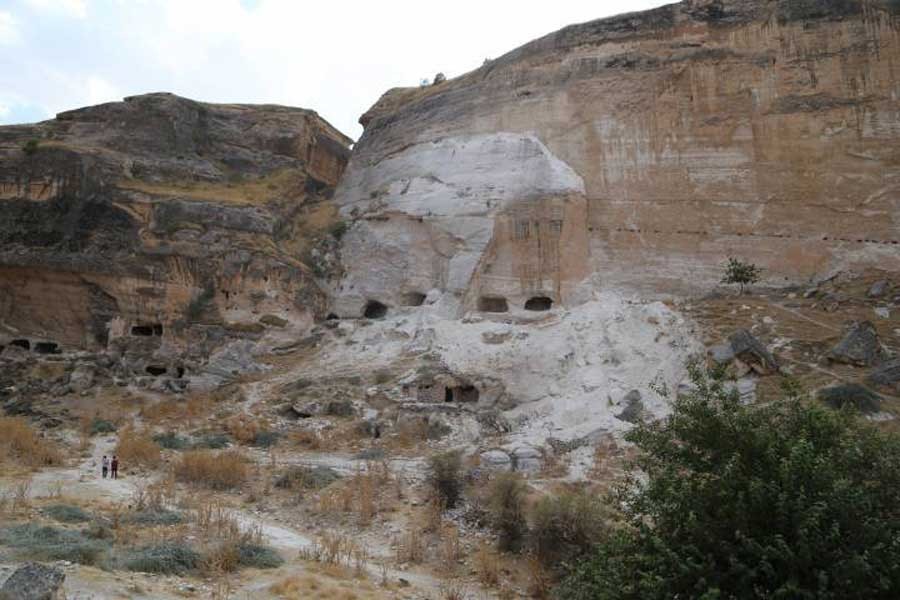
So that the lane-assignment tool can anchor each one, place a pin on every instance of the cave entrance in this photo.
(375, 310)
(47, 348)
(332, 317)
(463, 393)
(413, 299)
(153, 329)
(156, 371)
(539, 303)
(493, 304)
(23, 344)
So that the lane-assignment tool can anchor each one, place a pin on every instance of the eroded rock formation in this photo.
(163, 225)
(639, 151)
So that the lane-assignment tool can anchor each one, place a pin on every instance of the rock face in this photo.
(144, 223)
(640, 150)
(34, 581)
(860, 346)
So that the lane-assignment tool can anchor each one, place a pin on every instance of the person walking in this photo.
(114, 472)
(104, 466)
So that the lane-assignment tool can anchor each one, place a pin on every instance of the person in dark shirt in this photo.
(114, 470)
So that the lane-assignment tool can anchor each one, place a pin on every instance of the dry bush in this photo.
(21, 493)
(450, 549)
(445, 477)
(245, 429)
(188, 412)
(19, 443)
(138, 448)
(506, 500)
(365, 494)
(540, 580)
(306, 439)
(408, 435)
(488, 566)
(567, 526)
(218, 470)
(410, 547)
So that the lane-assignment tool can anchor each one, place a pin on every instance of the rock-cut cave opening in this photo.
(147, 330)
(413, 299)
(23, 344)
(47, 348)
(375, 310)
(463, 393)
(493, 304)
(539, 303)
(155, 370)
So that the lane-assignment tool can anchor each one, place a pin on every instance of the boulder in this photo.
(886, 377)
(634, 407)
(496, 460)
(82, 378)
(878, 289)
(851, 394)
(752, 354)
(526, 459)
(860, 346)
(34, 581)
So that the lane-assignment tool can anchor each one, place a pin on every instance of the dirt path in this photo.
(83, 481)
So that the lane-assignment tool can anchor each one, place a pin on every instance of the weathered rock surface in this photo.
(851, 394)
(886, 377)
(159, 220)
(34, 581)
(860, 346)
(745, 353)
(643, 149)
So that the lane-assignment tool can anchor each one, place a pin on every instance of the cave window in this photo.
(375, 310)
(332, 317)
(539, 303)
(147, 330)
(463, 393)
(179, 372)
(24, 344)
(155, 370)
(413, 299)
(47, 348)
(448, 395)
(493, 304)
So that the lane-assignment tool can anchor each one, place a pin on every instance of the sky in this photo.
(333, 56)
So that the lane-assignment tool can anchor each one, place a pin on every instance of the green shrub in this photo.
(445, 477)
(31, 147)
(788, 499)
(155, 516)
(212, 441)
(170, 558)
(49, 543)
(741, 273)
(99, 426)
(66, 513)
(506, 503)
(172, 441)
(197, 307)
(337, 230)
(566, 527)
(310, 478)
(266, 439)
(258, 557)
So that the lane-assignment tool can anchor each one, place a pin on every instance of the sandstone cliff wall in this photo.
(641, 150)
(164, 218)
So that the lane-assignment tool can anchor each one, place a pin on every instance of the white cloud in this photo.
(4, 111)
(100, 90)
(69, 8)
(9, 29)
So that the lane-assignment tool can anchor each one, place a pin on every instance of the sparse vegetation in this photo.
(101, 426)
(309, 478)
(31, 147)
(786, 499)
(172, 441)
(19, 443)
(169, 558)
(507, 507)
(445, 477)
(740, 273)
(137, 448)
(49, 543)
(66, 513)
(565, 527)
(222, 470)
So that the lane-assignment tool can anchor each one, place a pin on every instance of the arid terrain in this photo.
(326, 371)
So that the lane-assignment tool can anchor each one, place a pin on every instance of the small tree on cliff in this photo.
(787, 500)
(741, 273)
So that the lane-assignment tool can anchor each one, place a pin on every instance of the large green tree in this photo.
(786, 500)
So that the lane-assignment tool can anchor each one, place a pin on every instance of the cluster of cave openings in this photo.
(493, 304)
(375, 310)
(463, 393)
(539, 303)
(413, 299)
(153, 329)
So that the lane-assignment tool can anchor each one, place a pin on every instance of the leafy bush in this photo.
(155, 516)
(216, 470)
(506, 501)
(338, 229)
(31, 147)
(99, 426)
(445, 478)
(266, 439)
(212, 441)
(784, 500)
(311, 478)
(741, 273)
(66, 513)
(566, 527)
(258, 557)
(170, 558)
(172, 441)
(49, 543)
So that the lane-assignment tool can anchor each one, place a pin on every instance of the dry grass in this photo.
(196, 409)
(326, 582)
(253, 192)
(21, 445)
(244, 428)
(138, 448)
(365, 494)
(223, 470)
(488, 565)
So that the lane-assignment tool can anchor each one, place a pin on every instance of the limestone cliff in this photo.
(636, 152)
(164, 221)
